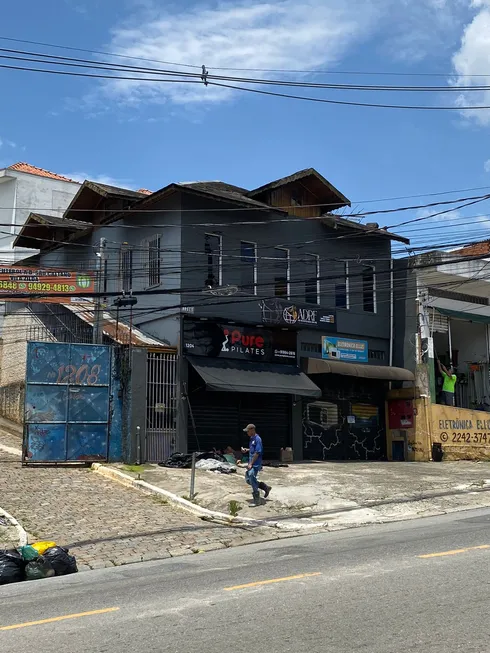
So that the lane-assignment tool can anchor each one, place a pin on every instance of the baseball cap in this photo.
(249, 426)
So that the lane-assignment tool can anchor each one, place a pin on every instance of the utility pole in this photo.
(100, 267)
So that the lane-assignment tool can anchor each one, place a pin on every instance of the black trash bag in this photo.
(11, 567)
(62, 562)
(38, 569)
(184, 460)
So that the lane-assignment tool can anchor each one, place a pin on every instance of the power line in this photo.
(251, 208)
(375, 105)
(107, 65)
(210, 82)
(242, 69)
(190, 291)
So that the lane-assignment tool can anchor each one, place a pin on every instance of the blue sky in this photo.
(146, 135)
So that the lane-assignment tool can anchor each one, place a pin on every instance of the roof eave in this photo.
(301, 174)
(342, 222)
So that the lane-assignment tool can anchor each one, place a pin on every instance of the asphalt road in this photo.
(363, 590)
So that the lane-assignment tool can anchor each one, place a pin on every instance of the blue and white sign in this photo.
(344, 349)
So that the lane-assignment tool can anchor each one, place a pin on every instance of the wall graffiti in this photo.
(67, 402)
(342, 431)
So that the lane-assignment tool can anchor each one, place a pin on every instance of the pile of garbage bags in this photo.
(34, 562)
(210, 460)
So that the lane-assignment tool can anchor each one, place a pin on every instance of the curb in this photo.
(194, 509)
(20, 530)
(10, 450)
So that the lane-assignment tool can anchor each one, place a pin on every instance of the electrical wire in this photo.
(264, 70)
(107, 65)
(174, 291)
(210, 82)
(136, 209)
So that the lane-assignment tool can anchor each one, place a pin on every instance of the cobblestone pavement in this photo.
(8, 535)
(102, 522)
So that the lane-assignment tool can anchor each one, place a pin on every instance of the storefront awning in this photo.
(227, 375)
(382, 372)
(468, 317)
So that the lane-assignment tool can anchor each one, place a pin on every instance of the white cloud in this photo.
(101, 179)
(421, 28)
(273, 34)
(486, 165)
(472, 60)
(8, 143)
(281, 34)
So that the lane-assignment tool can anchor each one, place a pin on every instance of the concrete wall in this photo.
(12, 402)
(18, 327)
(469, 339)
(463, 434)
(7, 215)
(23, 194)
(405, 314)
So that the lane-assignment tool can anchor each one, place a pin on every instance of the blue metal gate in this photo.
(67, 402)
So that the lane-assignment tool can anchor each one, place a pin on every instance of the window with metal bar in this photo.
(248, 267)
(312, 281)
(126, 261)
(213, 251)
(369, 289)
(154, 269)
(281, 272)
(342, 288)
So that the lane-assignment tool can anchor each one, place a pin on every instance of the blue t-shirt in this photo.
(256, 447)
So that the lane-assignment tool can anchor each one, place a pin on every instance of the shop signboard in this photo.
(239, 342)
(345, 349)
(284, 313)
(62, 286)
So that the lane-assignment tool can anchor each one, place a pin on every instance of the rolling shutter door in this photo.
(221, 416)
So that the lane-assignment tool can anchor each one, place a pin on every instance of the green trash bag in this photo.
(28, 553)
(39, 569)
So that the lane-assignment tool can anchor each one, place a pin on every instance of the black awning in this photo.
(225, 375)
(382, 372)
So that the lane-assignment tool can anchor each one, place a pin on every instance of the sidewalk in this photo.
(343, 494)
(102, 522)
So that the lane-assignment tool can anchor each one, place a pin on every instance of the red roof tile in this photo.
(33, 170)
(476, 249)
(145, 191)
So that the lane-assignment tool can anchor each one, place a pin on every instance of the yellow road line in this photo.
(454, 551)
(273, 580)
(53, 619)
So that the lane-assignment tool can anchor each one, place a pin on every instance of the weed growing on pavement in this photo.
(159, 500)
(135, 469)
(194, 500)
(234, 508)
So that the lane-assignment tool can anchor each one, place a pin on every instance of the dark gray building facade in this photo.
(281, 311)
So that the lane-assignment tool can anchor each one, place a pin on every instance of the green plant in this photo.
(135, 469)
(194, 500)
(159, 500)
(234, 508)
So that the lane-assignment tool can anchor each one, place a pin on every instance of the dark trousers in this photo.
(447, 398)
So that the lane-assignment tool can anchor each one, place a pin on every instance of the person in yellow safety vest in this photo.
(448, 385)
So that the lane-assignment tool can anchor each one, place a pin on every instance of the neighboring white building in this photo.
(24, 188)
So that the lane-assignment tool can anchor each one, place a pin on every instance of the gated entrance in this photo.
(161, 405)
(67, 402)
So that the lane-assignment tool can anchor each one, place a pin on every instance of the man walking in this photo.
(255, 452)
(448, 385)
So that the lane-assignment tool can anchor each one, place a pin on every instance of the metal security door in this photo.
(67, 402)
(161, 405)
